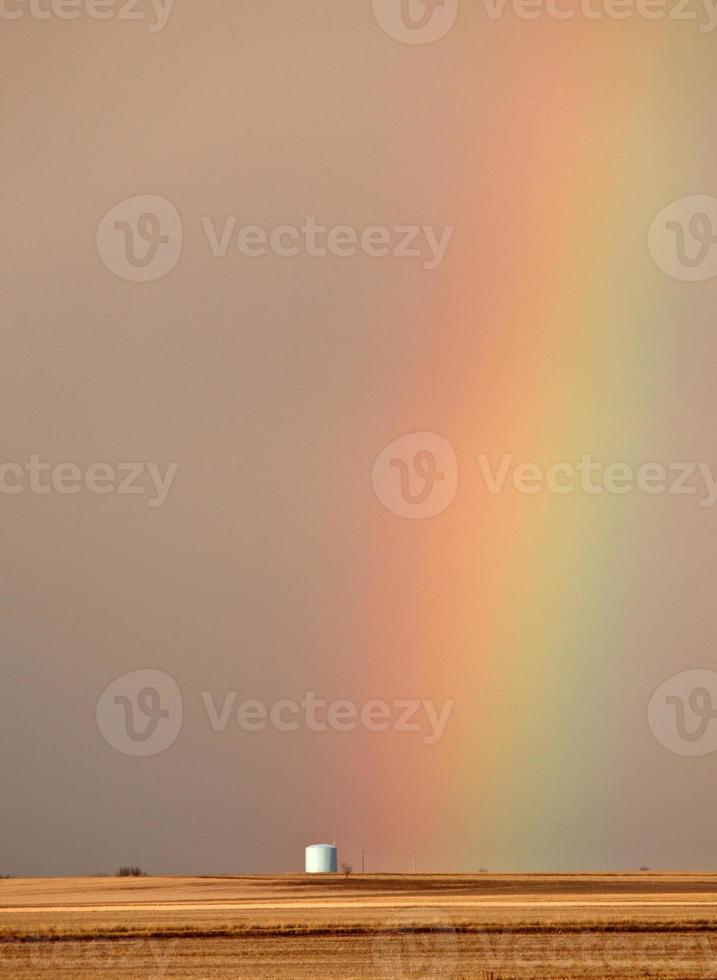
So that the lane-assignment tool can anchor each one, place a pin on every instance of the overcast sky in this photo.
(220, 519)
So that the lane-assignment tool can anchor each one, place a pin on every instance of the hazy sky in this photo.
(519, 163)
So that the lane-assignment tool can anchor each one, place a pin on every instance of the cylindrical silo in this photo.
(322, 859)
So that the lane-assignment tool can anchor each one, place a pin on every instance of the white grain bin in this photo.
(322, 859)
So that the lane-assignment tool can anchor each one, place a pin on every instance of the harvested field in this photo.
(482, 927)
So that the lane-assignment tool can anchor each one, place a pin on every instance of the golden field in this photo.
(464, 927)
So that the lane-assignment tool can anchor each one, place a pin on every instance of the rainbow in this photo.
(544, 334)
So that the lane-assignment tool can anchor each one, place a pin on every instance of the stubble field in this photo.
(464, 927)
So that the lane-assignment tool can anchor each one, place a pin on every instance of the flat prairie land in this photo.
(368, 927)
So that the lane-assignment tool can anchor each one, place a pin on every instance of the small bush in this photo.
(127, 872)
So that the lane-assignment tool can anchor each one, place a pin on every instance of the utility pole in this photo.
(413, 861)
(363, 861)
